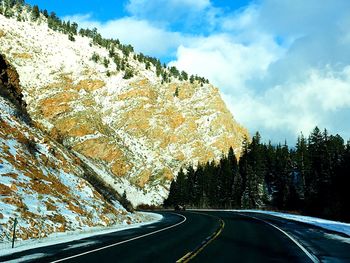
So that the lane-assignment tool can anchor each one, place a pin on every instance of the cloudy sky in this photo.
(283, 66)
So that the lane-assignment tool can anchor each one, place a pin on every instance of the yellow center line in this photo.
(190, 255)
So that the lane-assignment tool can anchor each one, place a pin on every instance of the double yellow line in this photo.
(190, 255)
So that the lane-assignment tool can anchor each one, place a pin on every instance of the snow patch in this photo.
(59, 238)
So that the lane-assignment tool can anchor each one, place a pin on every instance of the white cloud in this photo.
(284, 111)
(187, 14)
(240, 21)
(283, 67)
(226, 62)
(141, 34)
(166, 9)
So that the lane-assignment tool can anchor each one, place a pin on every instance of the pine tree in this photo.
(35, 13)
(257, 164)
(250, 197)
(226, 169)
(201, 199)
(182, 195)
(106, 62)
(237, 191)
(71, 37)
(176, 93)
(207, 187)
(342, 184)
(191, 79)
(313, 181)
(302, 163)
(330, 187)
(74, 28)
(213, 185)
(184, 75)
(95, 57)
(45, 13)
(129, 73)
(172, 199)
(192, 185)
(234, 172)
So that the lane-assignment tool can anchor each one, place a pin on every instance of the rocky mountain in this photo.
(133, 123)
(42, 184)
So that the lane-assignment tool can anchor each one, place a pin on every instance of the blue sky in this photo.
(103, 10)
(100, 9)
(282, 66)
(176, 20)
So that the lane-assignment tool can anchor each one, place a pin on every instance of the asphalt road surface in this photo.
(203, 236)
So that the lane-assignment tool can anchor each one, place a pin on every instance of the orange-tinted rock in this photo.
(58, 104)
(90, 85)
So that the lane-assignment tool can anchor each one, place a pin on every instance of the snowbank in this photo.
(58, 238)
(323, 223)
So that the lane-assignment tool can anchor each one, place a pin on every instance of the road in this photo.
(203, 236)
(254, 237)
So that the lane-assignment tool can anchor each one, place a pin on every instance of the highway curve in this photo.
(245, 239)
(204, 236)
(162, 243)
(256, 237)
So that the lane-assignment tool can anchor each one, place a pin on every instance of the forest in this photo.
(310, 178)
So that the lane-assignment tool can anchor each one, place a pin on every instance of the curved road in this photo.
(203, 236)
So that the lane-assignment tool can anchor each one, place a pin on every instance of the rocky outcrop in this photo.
(10, 88)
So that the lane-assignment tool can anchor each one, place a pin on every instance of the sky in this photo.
(282, 66)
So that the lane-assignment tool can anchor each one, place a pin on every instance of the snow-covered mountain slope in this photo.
(41, 183)
(135, 132)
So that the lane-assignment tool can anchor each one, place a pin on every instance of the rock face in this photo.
(135, 133)
(10, 88)
(41, 183)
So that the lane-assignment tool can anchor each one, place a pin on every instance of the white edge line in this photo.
(125, 241)
(311, 256)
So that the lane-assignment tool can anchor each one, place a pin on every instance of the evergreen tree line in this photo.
(311, 178)
(11, 8)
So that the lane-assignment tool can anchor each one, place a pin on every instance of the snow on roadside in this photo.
(323, 223)
(59, 238)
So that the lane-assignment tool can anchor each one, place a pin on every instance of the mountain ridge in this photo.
(134, 129)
